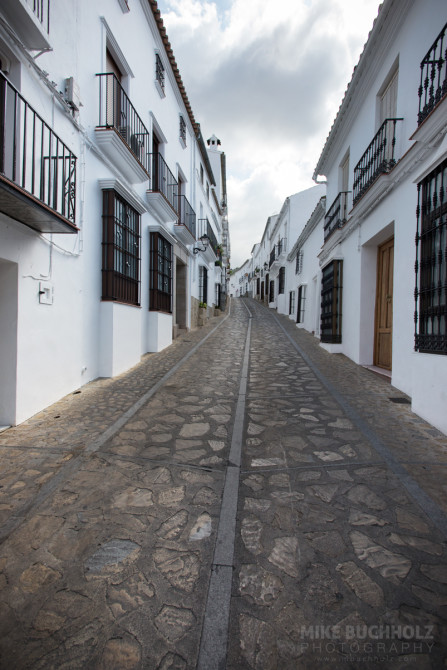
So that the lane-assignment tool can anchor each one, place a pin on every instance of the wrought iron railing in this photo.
(32, 156)
(281, 247)
(272, 256)
(162, 180)
(117, 112)
(336, 214)
(41, 9)
(186, 214)
(159, 72)
(433, 84)
(378, 158)
(212, 238)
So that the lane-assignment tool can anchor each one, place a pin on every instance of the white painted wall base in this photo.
(159, 331)
(429, 396)
(120, 340)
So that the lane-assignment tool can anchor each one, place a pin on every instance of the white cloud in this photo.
(267, 78)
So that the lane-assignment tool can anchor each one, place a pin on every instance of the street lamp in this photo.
(204, 241)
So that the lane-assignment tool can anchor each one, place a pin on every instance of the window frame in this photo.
(203, 284)
(291, 302)
(430, 293)
(281, 280)
(301, 303)
(120, 284)
(332, 302)
(161, 264)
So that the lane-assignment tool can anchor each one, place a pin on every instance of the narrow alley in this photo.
(240, 500)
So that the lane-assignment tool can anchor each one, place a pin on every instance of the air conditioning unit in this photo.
(72, 94)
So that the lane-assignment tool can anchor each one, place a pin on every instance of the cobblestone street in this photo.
(241, 500)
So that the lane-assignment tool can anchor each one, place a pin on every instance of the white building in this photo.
(384, 300)
(106, 187)
(303, 273)
(291, 220)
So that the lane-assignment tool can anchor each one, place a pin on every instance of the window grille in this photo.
(281, 279)
(159, 72)
(160, 287)
(331, 302)
(272, 291)
(258, 286)
(291, 302)
(299, 262)
(183, 129)
(431, 264)
(203, 284)
(120, 250)
(301, 303)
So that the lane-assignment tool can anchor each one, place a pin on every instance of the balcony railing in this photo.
(272, 256)
(41, 9)
(117, 112)
(433, 84)
(281, 247)
(186, 214)
(162, 180)
(336, 214)
(212, 238)
(378, 158)
(34, 158)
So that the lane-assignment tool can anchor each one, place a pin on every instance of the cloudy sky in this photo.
(267, 77)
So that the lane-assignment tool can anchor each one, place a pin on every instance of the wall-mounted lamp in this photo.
(204, 241)
(266, 267)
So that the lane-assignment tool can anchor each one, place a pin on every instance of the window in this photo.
(331, 302)
(207, 190)
(258, 286)
(160, 274)
(120, 250)
(272, 291)
(159, 72)
(281, 279)
(301, 303)
(203, 284)
(299, 262)
(183, 130)
(291, 302)
(431, 264)
(201, 173)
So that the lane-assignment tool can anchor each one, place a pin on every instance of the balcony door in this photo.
(384, 306)
(115, 108)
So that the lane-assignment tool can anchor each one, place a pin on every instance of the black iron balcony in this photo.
(378, 159)
(212, 238)
(41, 9)
(272, 256)
(186, 215)
(37, 170)
(336, 214)
(117, 113)
(433, 84)
(30, 19)
(163, 181)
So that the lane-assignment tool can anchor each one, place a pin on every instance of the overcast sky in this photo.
(267, 77)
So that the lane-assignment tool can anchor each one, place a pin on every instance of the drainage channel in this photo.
(214, 640)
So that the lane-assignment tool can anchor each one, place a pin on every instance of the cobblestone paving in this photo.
(337, 565)
(108, 529)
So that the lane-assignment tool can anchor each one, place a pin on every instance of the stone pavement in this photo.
(110, 503)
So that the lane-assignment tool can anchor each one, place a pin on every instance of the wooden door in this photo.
(384, 306)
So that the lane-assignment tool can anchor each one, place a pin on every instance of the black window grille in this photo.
(159, 72)
(299, 262)
(301, 303)
(183, 129)
(120, 250)
(281, 279)
(262, 290)
(272, 291)
(203, 284)
(431, 264)
(291, 302)
(331, 302)
(160, 274)
(258, 286)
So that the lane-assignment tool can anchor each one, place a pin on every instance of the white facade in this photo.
(370, 243)
(101, 211)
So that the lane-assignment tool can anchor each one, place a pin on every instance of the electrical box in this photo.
(45, 293)
(72, 93)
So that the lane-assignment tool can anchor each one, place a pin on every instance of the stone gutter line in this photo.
(72, 466)
(428, 506)
(216, 620)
